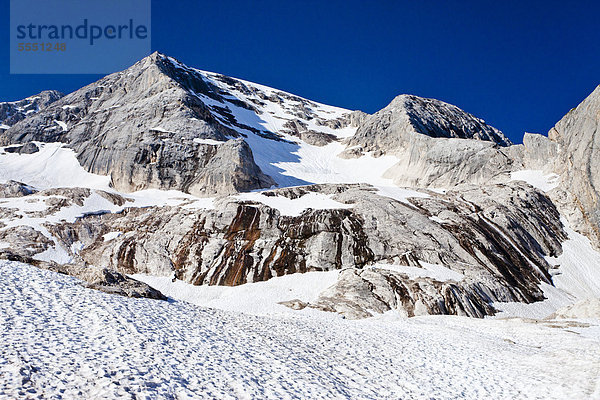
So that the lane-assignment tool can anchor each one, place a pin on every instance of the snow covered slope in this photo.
(62, 340)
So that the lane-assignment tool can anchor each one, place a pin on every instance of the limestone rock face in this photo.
(577, 135)
(443, 163)
(15, 111)
(15, 189)
(437, 144)
(407, 116)
(147, 127)
(489, 242)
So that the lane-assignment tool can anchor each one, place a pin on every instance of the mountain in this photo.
(408, 116)
(160, 124)
(14, 111)
(428, 138)
(170, 171)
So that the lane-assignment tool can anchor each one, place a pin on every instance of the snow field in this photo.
(62, 340)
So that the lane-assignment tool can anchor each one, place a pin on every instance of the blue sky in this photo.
(519, 65)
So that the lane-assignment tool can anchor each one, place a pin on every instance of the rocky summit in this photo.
(163, 170)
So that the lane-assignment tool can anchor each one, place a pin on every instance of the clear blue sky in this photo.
(519, 65)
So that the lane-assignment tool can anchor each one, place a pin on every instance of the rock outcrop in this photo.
(14, 111)
(570, 151)
(437, 144)
(494, 238)
(15, 189)
(577, 136)
(390, 128)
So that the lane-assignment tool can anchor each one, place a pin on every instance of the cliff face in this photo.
(577, 136)
(437, 144)
(454, 253)
(412, 116)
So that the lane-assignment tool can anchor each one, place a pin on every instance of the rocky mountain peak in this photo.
(409, 115)
(148, 127)
(14, 111)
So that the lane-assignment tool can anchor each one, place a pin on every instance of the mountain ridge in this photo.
(417, 204)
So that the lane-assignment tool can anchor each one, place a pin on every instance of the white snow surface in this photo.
(537, 178)
(294, 207)
(60, 340)
(111, 235)
(53, 166)
(208, 141)
(258, 298)
(579, 272)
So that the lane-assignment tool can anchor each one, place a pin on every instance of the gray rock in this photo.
(570, 150)
(363, 293)
(577, 135)
(145, 128)
(437, 144)
(445, 163)
(15, 111)
(27, 148)
(15, 189)
(495, 236)
(390, 128)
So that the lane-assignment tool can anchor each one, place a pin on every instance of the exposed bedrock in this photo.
(492, 239)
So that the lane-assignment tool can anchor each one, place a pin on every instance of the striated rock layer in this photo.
(491, 239)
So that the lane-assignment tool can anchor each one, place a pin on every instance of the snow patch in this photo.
(536, 178)
(579, 271)
(207, 141)
(160, 129)
(52, 166)
(111, 235)
(294, 207)
(62, 124)
(438, 219)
